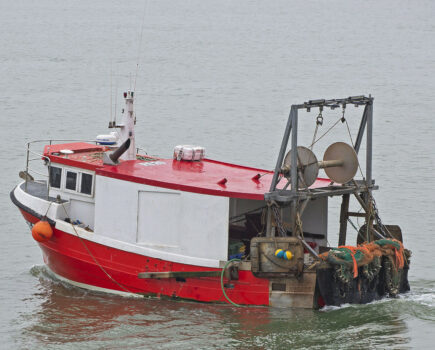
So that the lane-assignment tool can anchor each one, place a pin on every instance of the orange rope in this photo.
(353, 250)
(399, 253)
(371, 250)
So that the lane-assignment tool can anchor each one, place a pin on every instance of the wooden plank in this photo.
(182, 274)
(343, 219)
(360, 215)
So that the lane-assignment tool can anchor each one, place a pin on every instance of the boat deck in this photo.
(206, 177)
(38, 189)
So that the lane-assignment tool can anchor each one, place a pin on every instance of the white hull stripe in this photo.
(93, 288)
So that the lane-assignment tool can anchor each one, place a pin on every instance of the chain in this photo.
(282, 231)
(382, 227)
(299, 226)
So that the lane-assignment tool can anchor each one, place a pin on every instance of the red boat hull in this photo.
(90, 264)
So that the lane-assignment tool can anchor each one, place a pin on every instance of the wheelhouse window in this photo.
(86, 184)
(71, 181)
(55, 176)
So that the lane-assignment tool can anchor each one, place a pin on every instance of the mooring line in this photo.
(93, 258)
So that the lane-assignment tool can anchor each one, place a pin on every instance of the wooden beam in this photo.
(343, 219)
(361, 201)
(181, 274)
(360, 215)
(369, 222)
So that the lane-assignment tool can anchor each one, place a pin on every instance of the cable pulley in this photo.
(340, 163)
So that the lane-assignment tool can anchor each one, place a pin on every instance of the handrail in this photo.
(60, 140)
(41, 156)
(141, 149)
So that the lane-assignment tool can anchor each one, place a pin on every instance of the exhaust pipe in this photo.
(111, 158)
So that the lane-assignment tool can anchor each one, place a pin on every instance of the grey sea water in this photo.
(221, 74)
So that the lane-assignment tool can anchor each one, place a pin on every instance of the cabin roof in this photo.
(205, 177)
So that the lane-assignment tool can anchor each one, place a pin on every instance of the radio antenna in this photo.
(145, 10)
(111, 93)
(116, 101)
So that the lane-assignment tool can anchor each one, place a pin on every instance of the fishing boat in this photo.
(112, 219)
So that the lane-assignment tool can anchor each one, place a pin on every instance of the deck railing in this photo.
(32, 156)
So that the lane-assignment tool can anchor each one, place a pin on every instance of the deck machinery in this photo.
(332, 287)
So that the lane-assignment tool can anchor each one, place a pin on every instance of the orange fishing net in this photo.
(364, 254)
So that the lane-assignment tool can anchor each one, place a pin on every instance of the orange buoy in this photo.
(42, 231)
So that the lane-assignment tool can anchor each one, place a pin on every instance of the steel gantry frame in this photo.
(292, 197)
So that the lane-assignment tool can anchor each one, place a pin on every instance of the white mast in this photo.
(127, 126)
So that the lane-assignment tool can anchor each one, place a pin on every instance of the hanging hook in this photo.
(343, 119)
(319, 119)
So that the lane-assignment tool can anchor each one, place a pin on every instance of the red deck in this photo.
(206, 177)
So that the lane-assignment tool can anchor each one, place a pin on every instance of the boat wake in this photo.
(329, 308)
(419, 303)
(49, 280)
(42, 272)
(422, 296)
